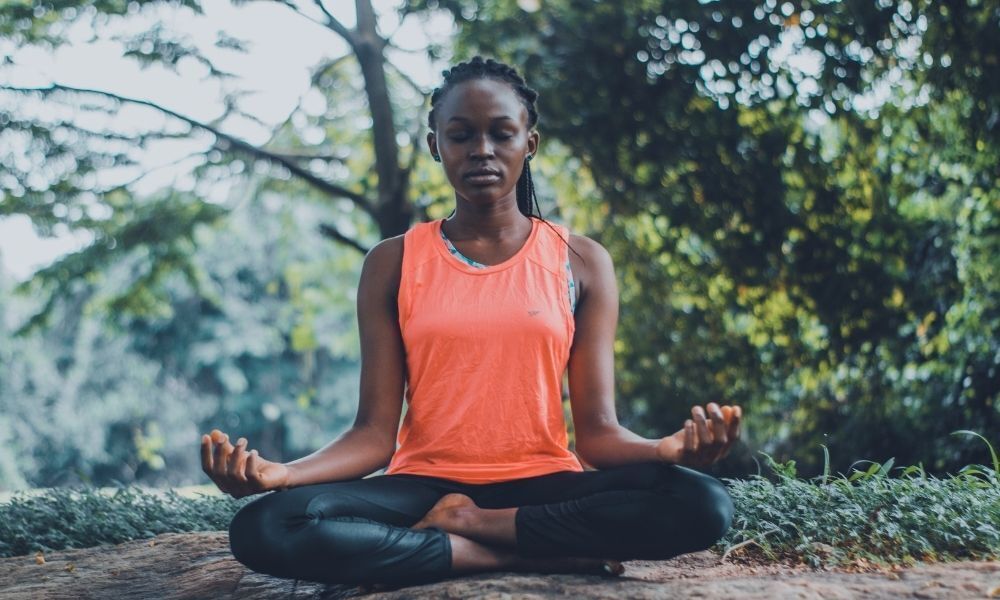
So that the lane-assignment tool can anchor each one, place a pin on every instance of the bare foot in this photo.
(444, 513)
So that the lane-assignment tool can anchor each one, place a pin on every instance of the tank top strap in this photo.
(418, 248)
(552, 248)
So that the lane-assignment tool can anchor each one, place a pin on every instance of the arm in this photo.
(371, 441)
(600, 440)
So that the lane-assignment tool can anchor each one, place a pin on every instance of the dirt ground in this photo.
(199, 565)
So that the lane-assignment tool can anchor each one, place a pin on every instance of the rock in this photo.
(200, 565)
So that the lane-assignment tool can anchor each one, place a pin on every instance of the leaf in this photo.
(993, 454)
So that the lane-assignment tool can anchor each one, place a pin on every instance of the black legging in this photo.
(357, 532)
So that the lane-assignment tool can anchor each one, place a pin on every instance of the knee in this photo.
(712, 509)
(253, 537)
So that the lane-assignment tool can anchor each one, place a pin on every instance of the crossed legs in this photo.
(404, 529)
(485, 539)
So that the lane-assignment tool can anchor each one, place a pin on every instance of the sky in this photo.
(283, 47)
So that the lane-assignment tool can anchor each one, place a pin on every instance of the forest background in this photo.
(801, 199)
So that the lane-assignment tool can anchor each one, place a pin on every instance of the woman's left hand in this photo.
(702, 441)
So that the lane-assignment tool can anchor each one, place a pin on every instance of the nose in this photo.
(482, 148)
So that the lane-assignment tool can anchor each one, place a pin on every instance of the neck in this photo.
(498, 221)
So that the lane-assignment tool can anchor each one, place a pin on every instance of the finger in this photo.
(718, 425)
(206, 454)
(701, 426)
(252, 468)
(233, 469)
(222, 452)
(690, 439)
(240, 465)
(733, 431)
(217, 436)
(216, 457)
(734, 423)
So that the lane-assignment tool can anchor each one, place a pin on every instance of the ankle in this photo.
(463, 519)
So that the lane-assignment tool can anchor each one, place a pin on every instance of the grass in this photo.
(64, 518)
(867, 518)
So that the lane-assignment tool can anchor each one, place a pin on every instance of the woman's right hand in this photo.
(237, 472)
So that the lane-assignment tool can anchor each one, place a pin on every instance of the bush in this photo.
(866, 517)
(84, 517)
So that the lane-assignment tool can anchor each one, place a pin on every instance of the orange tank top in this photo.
(486, 349)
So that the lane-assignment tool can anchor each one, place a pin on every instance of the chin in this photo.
(490, 193)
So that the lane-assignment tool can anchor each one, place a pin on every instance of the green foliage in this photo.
(158, 232)
(123, 395)
(189, 310)
(816, 245)
(866, 517)
(84, 517)
(24, 21)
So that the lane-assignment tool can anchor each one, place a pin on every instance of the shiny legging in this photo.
(357, 531)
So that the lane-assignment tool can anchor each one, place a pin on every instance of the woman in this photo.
(475, 318)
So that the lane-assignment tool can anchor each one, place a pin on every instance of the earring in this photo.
(437, 157)
(529, 157)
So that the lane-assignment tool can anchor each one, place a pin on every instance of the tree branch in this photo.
(294, 8)
(232, 142)
(332, 232)
(333, 23)
(409, 80)
(126, 184)
(318, 75)
(307, 156)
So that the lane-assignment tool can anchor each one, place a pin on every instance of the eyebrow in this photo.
(493, 119)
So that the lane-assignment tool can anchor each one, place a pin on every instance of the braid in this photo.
(526, 199)
(479, 68)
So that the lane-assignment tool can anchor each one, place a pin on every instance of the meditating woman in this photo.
(474, 319)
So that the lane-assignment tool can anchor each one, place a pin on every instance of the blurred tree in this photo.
(55, 164)
(220, 314)
(265, 346)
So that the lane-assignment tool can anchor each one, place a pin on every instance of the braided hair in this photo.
(478, 68)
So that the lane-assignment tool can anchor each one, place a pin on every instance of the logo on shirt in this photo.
(532, 313)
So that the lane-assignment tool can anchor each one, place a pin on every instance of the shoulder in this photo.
(383, 264)
(386, 255)
(589, 248)
(591, 263)
(386, 250)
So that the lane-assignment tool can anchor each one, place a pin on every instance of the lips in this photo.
(482, 177)
(481, 173)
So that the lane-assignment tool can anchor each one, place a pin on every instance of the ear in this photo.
(533, 142)
(432, 143)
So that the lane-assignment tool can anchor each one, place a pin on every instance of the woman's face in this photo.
(483, 138)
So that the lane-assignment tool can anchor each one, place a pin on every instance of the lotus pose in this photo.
(473, 320)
